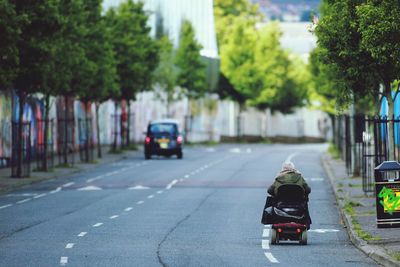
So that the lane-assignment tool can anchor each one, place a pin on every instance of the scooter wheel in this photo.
(303, 238)
(274, 236)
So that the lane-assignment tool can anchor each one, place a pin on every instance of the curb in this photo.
(374, 252)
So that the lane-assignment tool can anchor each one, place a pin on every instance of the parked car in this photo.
(163, 138)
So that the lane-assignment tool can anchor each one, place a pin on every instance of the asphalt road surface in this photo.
(203, 210)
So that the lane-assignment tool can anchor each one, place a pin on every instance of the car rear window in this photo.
(163, 128)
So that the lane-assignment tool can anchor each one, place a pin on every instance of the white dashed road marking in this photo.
(97, 224)
(271, 257)
(114, 216)
(24, 200)
(90, 188)
(138, 187)
(266, 232)
(63, 261)
(41, 195)
(265, 244)
(68, 184)
(160, 192)
(140, 202)
(128, 209)
(58, 189)
(5, 206)
(82, 234)
(151, 196)
(70, 245)
(171, 184)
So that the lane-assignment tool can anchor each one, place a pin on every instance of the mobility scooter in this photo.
(288, 214)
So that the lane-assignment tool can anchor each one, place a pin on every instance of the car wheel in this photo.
(147, 156)
(179, 155)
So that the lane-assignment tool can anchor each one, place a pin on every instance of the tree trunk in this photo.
(115, 126)
(390, 136)
(65, 130)
(19, 134)
(99, 155)
(128, 125)
(46, 129)
(87, 143)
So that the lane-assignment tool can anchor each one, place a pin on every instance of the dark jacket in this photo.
(288, 177)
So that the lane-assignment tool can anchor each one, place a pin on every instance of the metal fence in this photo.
(21, 150)
(369, 145)
(65, 141)
(86, 144)
(44, 153)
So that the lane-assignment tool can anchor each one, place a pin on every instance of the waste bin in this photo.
(387, 190)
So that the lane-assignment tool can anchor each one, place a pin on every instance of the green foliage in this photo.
(348, 67)
(9, 54)
(191, 69)
(99, 51)
(166, 73)
(136, 53)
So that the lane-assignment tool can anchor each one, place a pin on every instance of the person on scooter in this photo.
(289, 175)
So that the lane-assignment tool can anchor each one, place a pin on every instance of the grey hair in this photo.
(288, 166)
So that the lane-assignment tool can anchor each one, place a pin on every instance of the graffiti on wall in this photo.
(5, 125)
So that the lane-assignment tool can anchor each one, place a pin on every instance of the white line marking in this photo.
(323, 231)
(70, 245)
(114, 216)
(128, 209)
(89, 188)
(265, 244)
(24, 200)
(63, 261)
(97, 224)
(151, 196)
(108, 174)
(266, 233)
(271, 257)
(5, 206)
(140, 202)
(160, 192)
(138, 187)
(58, 189)
(291, 156)
(187, 176)
(68, 184)
(171, 184)
(95, 178)
(41, 195)
(82, 234)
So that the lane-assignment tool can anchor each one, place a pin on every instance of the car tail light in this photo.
(279, 230)
(147, 140)
(179, 139)
(298, 230)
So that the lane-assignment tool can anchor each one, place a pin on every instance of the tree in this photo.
(238, 61)
(227, 13)
(136, 52)
(191, 69)
(99, 51)
(9, 54)
(37, 24)
(166, 73)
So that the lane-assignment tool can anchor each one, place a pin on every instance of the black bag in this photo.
(268, 214)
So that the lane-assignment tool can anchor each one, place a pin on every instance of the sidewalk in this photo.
(359, 215)
(8, 184)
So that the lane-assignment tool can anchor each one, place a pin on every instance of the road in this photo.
(204, 210)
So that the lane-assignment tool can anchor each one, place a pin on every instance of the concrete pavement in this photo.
(359, 215)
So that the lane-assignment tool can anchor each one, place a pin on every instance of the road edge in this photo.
(374, 252)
